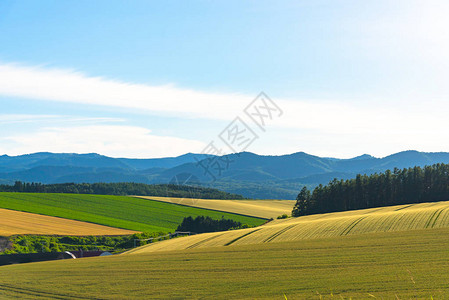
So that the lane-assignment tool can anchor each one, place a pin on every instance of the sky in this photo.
(147, 79)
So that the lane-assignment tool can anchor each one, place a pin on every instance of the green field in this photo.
(393, 265)
(115, 211)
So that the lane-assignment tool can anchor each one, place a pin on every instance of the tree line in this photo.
(121, 189)
(202, 224)
(400, 186)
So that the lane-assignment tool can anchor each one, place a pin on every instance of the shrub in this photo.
(284, 216)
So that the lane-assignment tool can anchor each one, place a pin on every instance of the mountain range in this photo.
(248, 174)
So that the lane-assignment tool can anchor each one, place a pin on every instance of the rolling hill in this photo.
(256, 208)
(391, 265)
(397, 252)
(384, 219)
(115, 211)
(17, 222)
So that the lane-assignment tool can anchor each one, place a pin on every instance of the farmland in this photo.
(384, 219)
(392, 265)
(115, 211)
(396, 252)
(256, 208)
(16, 222)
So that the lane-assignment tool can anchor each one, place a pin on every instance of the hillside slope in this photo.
(256, 208)
(393, 265)
(17, 222)
(116, 211)
(386, 219)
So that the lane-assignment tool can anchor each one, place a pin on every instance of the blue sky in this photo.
(161, 78)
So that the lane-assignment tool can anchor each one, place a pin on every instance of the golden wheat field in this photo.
(256, 208)
(385, 219)
(391, 265)
(17, 222)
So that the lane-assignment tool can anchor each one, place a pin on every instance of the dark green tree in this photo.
(402, 186)
(302, 203)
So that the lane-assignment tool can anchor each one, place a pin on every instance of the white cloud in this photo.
(29, 118)
(335, 125)
(23, 118)
(111, 140)
(71, 86)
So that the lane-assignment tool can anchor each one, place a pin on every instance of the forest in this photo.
(121, 189)
(400, 186)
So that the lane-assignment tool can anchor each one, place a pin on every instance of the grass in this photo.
(384, 219)
(256, 208)
(391, 265)
(16, 222)
(115, 211)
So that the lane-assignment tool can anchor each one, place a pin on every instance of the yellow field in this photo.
(16, 222)
(367, 254)
(392, 265)
(256, 208)
(385, 219)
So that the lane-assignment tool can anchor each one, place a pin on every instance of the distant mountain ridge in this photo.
(92, 160)
(249, 174)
